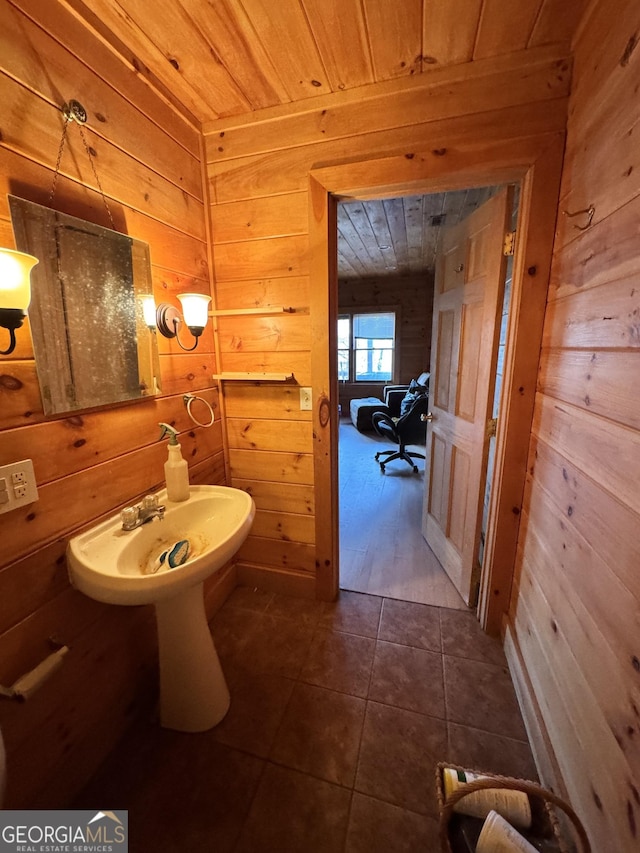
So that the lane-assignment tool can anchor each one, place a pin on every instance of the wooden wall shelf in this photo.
(250, 376)
(238, 312)
(254, 377)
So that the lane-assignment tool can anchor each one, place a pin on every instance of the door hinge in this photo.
(509, 244)
(492, 427)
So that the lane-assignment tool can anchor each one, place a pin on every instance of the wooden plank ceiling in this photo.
(214, 59)
(230, 57)
(398, 236)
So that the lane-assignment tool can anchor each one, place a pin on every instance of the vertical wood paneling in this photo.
(339, 31)
(575, 616)
(285, 35)
(394, 37)
(237, 46)
(224, 58)
(557, 21)
(498, 27)
(449, 31)
(412, 298)
(160, 41)
(89, 464)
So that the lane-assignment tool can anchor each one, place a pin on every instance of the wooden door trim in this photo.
(533, 161)
(323, 252)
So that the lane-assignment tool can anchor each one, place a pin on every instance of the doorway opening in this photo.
(533, 162)
(386, 263)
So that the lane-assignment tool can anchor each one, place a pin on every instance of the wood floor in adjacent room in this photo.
(382, 551)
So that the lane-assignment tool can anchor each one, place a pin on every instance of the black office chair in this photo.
(408, 429)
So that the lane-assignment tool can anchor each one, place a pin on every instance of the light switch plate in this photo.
(20, 485)
(305, 400)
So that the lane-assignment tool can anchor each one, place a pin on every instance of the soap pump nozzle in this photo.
(176, 470)
(171, 432)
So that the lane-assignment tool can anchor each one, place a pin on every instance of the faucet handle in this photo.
(150, 502)
(129, 517)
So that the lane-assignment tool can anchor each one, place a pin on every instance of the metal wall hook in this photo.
(74, 111)
(588, 211)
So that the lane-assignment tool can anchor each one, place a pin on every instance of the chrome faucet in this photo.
(139, 514)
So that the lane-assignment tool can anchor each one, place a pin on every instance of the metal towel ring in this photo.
(188, 401)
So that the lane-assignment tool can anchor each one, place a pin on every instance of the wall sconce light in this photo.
(149, 311)
(195, 311)
(15, 291)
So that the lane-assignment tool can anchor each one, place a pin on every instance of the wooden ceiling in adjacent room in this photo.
(230, 57)
(398, 236)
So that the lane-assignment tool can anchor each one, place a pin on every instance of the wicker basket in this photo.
(537, 793)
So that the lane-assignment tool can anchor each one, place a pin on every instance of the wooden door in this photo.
(467, 307)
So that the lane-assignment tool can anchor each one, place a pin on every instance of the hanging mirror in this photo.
(91, 344)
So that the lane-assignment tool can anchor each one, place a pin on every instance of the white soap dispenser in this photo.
(176, 470)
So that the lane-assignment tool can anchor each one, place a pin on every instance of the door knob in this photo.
(426, 418)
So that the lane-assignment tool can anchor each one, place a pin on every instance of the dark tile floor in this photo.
(339, 714)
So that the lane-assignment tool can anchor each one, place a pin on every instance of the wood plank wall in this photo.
(575, 606)
(412, 298)
(148, 159)
(258, 169)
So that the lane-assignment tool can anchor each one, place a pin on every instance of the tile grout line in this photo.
(364, 721)
(267, 760)
(444, 688)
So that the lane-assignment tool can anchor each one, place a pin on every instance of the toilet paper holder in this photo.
(31, 681)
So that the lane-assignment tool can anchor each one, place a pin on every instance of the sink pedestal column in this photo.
(193, 692)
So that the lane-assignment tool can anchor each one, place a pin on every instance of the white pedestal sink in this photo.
(114, 566)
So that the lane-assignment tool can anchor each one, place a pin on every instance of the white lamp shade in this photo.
(195, 309)
(149, 310)
(15, 284)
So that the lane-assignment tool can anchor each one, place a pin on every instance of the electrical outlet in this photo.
(305, 400)
(23, 489)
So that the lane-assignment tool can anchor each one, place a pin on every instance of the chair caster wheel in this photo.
(415, 469)
(382, 467)
(377, 456)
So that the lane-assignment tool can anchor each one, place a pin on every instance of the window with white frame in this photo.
(366, 346)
